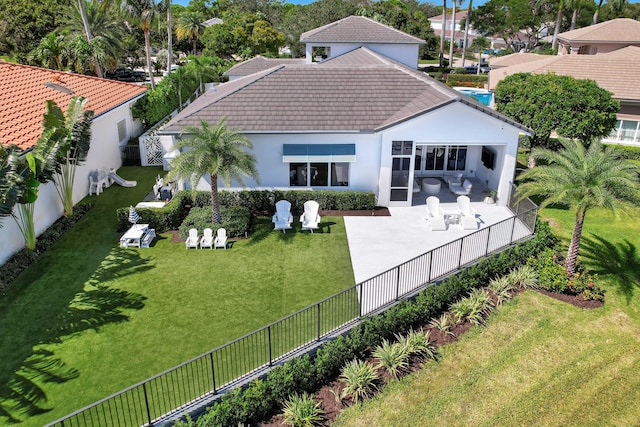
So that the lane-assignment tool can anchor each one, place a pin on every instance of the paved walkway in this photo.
(378, 243)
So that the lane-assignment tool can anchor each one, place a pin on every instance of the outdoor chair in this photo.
(97, 183)
(282, 219)
(462, 190)
(455, 179)
(435, 215)
(467, 214)
(192, 240)
(221, 239)
(207, 239)
(310, 218)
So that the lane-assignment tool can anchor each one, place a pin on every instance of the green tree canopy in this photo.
(547, 102)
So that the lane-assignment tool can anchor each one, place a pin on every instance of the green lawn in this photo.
(539, 361)
(90, 319)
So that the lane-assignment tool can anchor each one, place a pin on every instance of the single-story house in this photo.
(358, 120)
(24, 91)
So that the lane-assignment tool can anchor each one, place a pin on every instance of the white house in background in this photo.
(23, 93)
(457, 22)
(359, 120)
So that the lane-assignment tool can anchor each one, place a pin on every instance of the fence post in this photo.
(460, 256)
(398, 283)
(146, 402)
(486, 249)
(360, 309)
(213, 372)
(318, 320)
(269, 342)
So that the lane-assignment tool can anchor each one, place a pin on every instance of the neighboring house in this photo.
(614, 70)
(257, 64)
(212, 21)
(601, 38)
(23, 93)
(343, 36)
(458, 23)
(358, 121)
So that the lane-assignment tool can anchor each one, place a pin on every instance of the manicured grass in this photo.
(539, 361)
(90, 319)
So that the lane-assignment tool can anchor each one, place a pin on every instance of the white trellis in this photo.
(150, 150)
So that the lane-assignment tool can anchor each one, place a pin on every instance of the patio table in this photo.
(431, 185)
(133, 235)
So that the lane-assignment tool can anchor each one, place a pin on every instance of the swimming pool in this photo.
(481, 95)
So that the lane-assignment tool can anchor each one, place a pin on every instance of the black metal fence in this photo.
(197, 380)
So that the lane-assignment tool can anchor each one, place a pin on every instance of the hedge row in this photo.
(21, 260)
(261, 398)
(260, 202)
(470, 80)
(235, 219)
(626, 152)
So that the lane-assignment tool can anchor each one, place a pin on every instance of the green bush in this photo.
(466, 80)
(22, 259)
(235, 219)
(551, 274)
(627, 152)
(302, 411)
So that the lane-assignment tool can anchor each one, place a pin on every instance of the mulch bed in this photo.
(333, 406)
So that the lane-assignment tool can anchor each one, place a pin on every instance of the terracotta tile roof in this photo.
(610, 71)
(260, 63)
(621, 30)
(357, 29)
(23, 94)
(336, 96)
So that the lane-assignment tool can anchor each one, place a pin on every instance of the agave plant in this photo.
(417, 343)
(394, 358)
(302, 411)
(524, 276)
(444, 324)
(360, 379)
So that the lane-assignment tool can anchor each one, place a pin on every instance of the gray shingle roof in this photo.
(260, 63)
(330, 97)
(621, 30)
(357, 29)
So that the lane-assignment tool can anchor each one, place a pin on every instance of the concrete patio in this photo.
(379, 243)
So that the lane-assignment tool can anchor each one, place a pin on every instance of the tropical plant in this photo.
(617, 5)
(444, 323)
(145, 13)
(11, 183)
(302, 411)
(502, 288)
(189, 26)
(443, 31)
(473, 308)
(417, 343)
(466, 35)
(581, 178)
(393, 357)
(215, 150)
(73, 131)
(360, 379)
(525, 276)
(50, 52)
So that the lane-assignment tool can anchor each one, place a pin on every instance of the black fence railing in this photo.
(197, 380)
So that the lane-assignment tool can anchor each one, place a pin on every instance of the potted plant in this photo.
(490, 196)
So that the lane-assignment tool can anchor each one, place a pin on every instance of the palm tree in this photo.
(581, 178)
(50, 52)
(87, 31)
(190, 27)
(466, 35)
(617, 5)
(145, 13)
(215, 150)
(453, 31)
(73, 131)
(443, 31)
(169, 35)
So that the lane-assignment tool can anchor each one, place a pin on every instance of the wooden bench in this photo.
(147, 238)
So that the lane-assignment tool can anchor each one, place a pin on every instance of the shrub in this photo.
(417, 343)
(473, 308)
(551, 274)
(394, 358)
(360, 378)
(502, 287)
(444, 323)
(235, 219)
(525, 276)
(302, 411)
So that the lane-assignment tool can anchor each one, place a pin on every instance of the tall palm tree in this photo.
(215, 150)
(581, 178)
(144, 12)
(617, 5)
(87, 31)
(453, 31)
(169, 35)
(466, 34)
(190, 27)
(443, 31)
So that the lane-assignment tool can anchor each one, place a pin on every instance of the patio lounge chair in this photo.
(282, 219)
(455, 179)
(467, 214)
(207, 239)
(221, 239)
(435, 215)
(461, 190)
(310, 218)
(192, 240)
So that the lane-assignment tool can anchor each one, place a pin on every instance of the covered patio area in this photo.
(377, 244)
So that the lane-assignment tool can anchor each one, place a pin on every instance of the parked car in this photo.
(473, 69)
(174, 67)
(127, 75)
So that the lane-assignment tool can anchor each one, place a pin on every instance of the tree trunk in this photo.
(453, 32)
(147, 45)
(216, 217)
(87, 32)
(554, 41)
(169, 38)
(574, 19)
(466, 36)
(574, 246)
(597, 12)
(194, 46)
(442, 32)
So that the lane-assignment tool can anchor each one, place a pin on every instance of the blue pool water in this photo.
(482, 96)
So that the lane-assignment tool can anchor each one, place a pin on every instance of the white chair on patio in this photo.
(207, 239)
(282, 219)
(435, 215)
(467, 213)
(310, 218)
(221, 239)
(192, 241)
(462, 190)
(455, 179)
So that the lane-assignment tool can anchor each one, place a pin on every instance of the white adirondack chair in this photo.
(192, 241)
(221, 239)
(310, 218)
(467, 213)
(282, 219)
(435, 215)
(207, 239)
